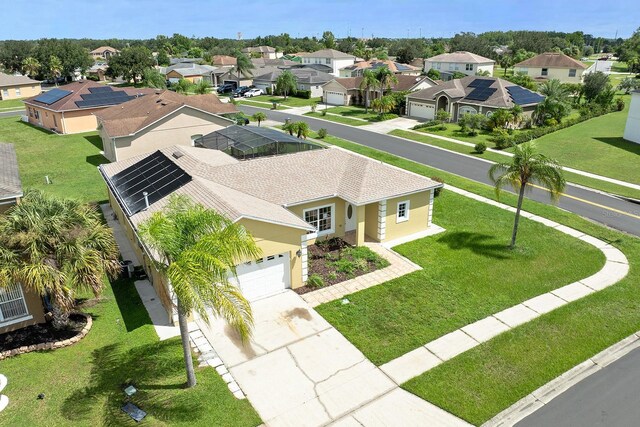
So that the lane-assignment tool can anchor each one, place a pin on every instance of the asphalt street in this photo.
(612, 211)
(607, 398)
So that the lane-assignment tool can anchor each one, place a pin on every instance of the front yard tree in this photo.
(197, 251)
(556, 105)
(55, 68)
(259, 117)
(369, 81)
(594, 84)
(386, 79)
(152, 78)
(202, 87)
(131, 63)
(286, 83)
(302, 129)
(183, 86)
(527, 165)
(243, 66)
(55, 247)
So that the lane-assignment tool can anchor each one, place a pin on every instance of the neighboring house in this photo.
(174, 61)
(552, 65)
(70, 108)
(223, 61)
(159, 120)
(98, 71)
(266, 52)
(192, 72)
(358, 68)
(463, 62)
(307, 79)
(104, 52)
(331, 57)
(632, 128)
(280, 62)
(286, 202)
(471, 94)
(346, 90)
(18, 308)
(16, 87)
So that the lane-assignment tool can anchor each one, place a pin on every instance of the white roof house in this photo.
(464, 62)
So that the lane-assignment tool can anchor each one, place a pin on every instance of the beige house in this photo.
(159, 120)
(552, 65)
(463, 62)
(286, 202)
(16, 87)
(104, 52)
(265, 52)
(346, 91)
(358, 68)
(18, 307)
(70, 108)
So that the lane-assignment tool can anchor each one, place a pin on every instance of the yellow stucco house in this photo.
(552, 65)
(287, 202)
(161, 119)
(16, 87)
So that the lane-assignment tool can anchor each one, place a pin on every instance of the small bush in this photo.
(322, 132)
(269, 91)
(619, 104)
(304, 94)
(345, 266)
(361, 264)
(314, 106)
(428, 124)
(324, 112)
(315, 281)
(550, 122)
(441, 127)
(332, 276)
(473, 132)
(437, 191)
(480, 147)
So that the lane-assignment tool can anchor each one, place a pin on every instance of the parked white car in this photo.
(253, 92)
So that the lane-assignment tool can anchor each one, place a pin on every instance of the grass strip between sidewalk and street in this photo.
(337, 119)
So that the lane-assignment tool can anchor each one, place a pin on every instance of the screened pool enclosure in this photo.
(248, 142)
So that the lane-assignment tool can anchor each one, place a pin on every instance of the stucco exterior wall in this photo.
(632, 128)
(418, 215)
(35, 309)
(459, 66)
(26, 91)
(63, 122)
(338, 213)
(371, 221)
(561, 74)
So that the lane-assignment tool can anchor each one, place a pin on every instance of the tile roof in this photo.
(11, 80)
(404, 82)
(223, 60)
(131, 117)
(82, 88)
(262, 188)
(459, 89)
(395, 67)
(10, 184)
(460, 57)
(551, 60)
(327, 53)
(102, 49)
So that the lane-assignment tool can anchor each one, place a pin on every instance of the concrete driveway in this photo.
(300, 371)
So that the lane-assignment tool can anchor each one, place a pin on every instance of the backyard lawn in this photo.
(291, 101)
(83, 384)
(468, 274)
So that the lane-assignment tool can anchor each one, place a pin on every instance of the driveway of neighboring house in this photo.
(297, 370)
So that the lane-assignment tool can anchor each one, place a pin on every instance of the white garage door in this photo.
(267, 276)
(335, 98)
(423, 111)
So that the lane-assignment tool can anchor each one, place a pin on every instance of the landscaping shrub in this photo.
(437, 191)
(480, 147)
(268, 91)
(322, 132)
(324, 112)
(315, 281)
(314, 106)
(385, 116)
(345, 266)
(428, 124)
(619, 104)
(304, 94)
(332, 276)
(361, 264)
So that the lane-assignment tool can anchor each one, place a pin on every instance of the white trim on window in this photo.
(316, 222)
(402, 211)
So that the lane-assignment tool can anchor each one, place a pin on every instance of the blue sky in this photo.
(385, 18)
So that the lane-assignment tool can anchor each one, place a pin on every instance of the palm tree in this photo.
(259, 116)
(198, 250)
(243, 66)
(286, 83)
(369, 81)
(386, 78)
(516, 113)
(301, 129)
(557, 102)
(526, 166)
(202, 87)
(55, 68)
(31, 66)
(54, 247)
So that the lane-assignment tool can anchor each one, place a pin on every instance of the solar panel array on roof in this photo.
(481, 83)
(101, 96)
(54, 95)
(156, 175)
(481, 93)
(101, 89)
(522, 96)
(402, 67)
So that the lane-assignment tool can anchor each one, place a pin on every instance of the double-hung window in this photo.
(545, 71)
(572, 72)
(402, 214)
(12, 304)
(321, 218)
(468, 67)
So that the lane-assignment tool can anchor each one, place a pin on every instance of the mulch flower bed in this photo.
(42, 333)
(333, 261)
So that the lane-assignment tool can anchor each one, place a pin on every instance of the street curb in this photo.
(545, 394)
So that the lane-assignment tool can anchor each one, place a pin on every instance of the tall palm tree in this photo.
(54, 247)
(286, 83)
(259, 117)
(55, 68)
(386, 78)
(369, 81)
(526, 166)
(31, 66)
(198, 250)
(243, 66)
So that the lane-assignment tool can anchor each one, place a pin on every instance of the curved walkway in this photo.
(430, 355)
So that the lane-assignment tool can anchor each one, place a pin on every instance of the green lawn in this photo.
(484, 381)
(70, 161)
(83, 383)
(11, 104)
(338, 119)
(291, 101)
(260, 105)
(620, 67)
(495, 157)
(355, 112)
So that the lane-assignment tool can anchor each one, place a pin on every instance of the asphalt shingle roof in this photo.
(551, 60)
(460, 57)
(10, 80)
(10, 183)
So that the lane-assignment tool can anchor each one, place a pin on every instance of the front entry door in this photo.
(350, 218)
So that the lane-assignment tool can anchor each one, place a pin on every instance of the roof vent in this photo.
(178, 154)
